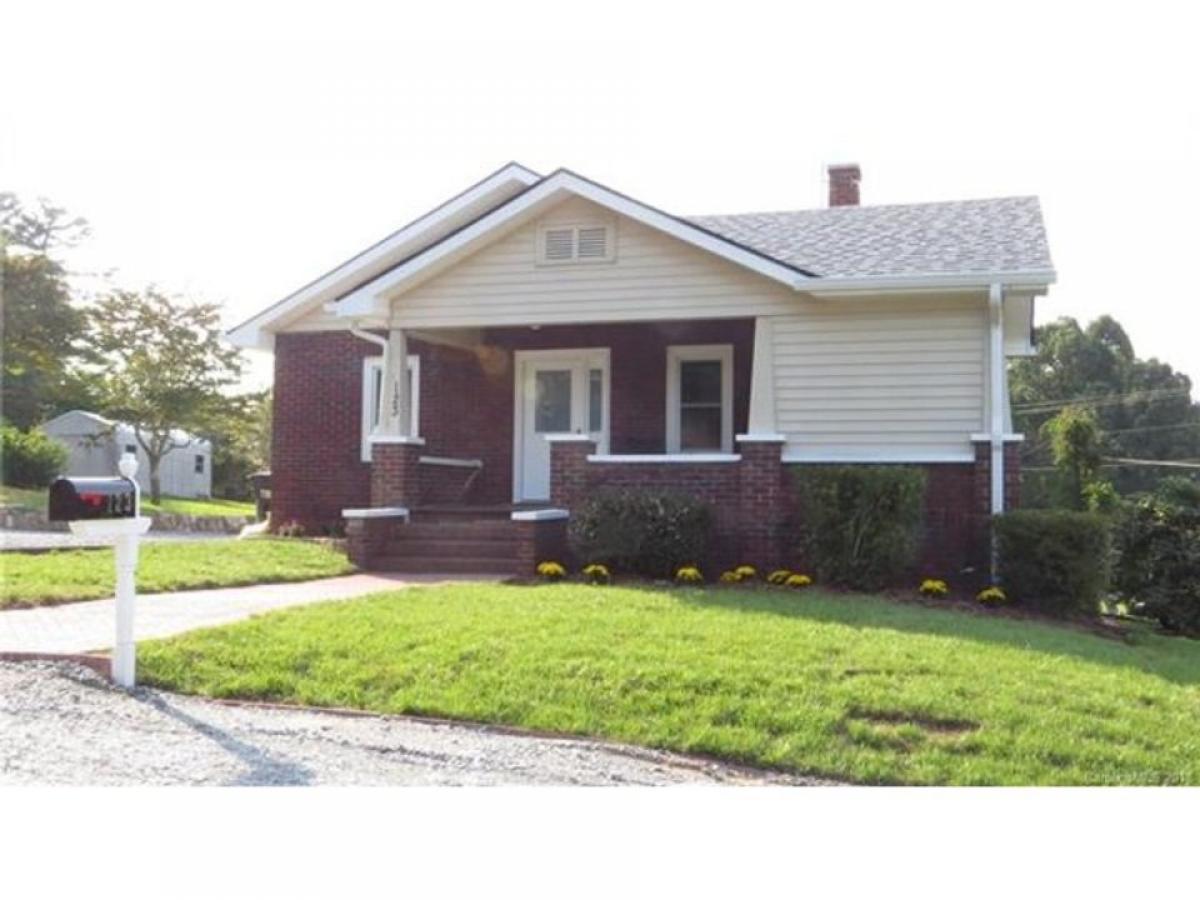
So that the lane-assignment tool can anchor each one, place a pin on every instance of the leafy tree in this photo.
(1143, 408)
(162, 366)
(41, 326)
(240, 432)
(1075, 445)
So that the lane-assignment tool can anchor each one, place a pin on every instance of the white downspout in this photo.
(382, 343)
(996, 384)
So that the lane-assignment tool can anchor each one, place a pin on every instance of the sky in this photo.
(235, 153)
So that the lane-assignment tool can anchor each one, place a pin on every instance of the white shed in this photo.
(95, 445)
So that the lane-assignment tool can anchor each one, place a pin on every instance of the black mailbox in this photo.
(72, 499)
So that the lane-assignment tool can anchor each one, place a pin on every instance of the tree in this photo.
(162, 367)
(1143, 408)
(240, 432)
(1075, 445)
(41, 327)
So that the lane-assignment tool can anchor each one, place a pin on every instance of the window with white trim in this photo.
(558, 244)
(372, 394)
(700, 398)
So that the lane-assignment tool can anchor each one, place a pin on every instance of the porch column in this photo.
(395, 415)
(762, 379)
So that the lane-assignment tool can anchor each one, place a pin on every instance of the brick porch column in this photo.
(762, 500)
(568, 467)
(395, 474)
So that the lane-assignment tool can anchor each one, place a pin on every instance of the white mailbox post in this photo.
(124, 534)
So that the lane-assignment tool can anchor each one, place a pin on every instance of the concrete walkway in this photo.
(88, 626)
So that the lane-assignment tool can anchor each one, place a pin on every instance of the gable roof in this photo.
(465, 206)
(368, 297)
(846, 248)
(957, 237)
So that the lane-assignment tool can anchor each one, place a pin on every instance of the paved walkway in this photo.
(84, 627)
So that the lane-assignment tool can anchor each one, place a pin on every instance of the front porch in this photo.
(517, 426)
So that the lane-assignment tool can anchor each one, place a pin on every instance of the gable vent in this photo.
(560, 244)
(593, 243)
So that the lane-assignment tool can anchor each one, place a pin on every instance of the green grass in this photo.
(191, 506)
(61, 576)
(851, 687)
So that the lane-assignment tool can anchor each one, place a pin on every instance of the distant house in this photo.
(96, 443)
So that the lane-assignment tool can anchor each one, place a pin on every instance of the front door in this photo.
(558, 392)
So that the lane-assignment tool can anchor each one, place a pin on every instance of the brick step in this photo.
(440, 531)
(450, 565)
(499, 548)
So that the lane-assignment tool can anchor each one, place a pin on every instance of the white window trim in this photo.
(610, 243)
(370, 365)
(678, 353)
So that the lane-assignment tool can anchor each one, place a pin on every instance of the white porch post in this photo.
(762, 379)
(395, 414)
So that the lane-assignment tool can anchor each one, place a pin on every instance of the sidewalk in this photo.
(88, 626)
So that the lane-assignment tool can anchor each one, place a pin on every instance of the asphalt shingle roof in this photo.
(965, 236)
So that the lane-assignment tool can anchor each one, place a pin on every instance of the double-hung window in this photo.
(700, 398)
(372, 394)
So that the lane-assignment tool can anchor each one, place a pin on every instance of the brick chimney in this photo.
(843, 184)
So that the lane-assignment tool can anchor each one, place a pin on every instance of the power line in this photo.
(1165, 463)
(1034, 407)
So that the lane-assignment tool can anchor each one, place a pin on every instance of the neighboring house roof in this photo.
(100, 422)
(957, 237)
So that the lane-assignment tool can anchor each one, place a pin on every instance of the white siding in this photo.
(893, 379)
(653, 276)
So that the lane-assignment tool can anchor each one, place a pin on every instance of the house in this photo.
(452, 392)
(95, 444)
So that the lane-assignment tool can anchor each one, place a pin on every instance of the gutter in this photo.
(996, 391)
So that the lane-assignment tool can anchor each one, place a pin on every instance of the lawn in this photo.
(851, 687)
(191, 506)
(61, 576)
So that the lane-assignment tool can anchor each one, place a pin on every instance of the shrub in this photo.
(1053, 560)
(30, 458)
(647, 532)
(1158, 555)
(551, 571)
(861, 524)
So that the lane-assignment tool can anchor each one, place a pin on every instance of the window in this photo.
(372, 394)
(700, 398)
(199, 464)
(131, 448)
(576, 243)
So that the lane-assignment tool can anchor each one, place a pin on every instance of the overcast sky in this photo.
(235, 155)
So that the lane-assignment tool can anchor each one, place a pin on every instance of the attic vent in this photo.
(576, 243)
(559, 244)
(593, 243)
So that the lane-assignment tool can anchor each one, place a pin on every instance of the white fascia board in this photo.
(819, 287)
(883, 456)
(371, 298)
(256, 332)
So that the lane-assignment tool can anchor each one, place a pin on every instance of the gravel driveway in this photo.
(62, 724)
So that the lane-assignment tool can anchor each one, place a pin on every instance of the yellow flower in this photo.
(934, 587)
(597, 573)
(551, 571)
(798, 581)
(779, 576)
(744, 572)
(992, 595)
(689, 575)
(730, 577)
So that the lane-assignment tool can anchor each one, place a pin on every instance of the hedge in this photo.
(645, 532)
(1054, 561)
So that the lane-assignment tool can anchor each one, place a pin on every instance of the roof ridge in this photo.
(865, 206)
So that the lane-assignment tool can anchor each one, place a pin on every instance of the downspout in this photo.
(996, 389)
(382, 343)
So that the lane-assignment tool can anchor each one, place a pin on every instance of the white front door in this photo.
(557, 392)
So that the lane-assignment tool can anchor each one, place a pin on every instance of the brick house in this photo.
(452, 392)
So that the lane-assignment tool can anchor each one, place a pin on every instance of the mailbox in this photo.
(78, 499)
